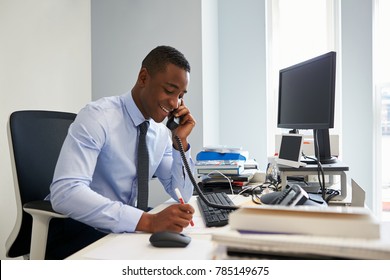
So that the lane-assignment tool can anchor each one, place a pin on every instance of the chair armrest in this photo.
(42, 212)
(41, 207)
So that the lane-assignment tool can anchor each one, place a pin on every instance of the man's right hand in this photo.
(173, 218)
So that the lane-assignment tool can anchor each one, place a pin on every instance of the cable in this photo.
(223, 175)
(193, 181)
(257, 190)
(320, 174)
(331, 193)
(320, 169)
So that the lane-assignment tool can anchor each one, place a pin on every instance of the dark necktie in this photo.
(143, 168)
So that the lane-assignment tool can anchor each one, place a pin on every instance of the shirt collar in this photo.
(132, 109)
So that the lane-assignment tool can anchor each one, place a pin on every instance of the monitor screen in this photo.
(290, 150)
(307, 94)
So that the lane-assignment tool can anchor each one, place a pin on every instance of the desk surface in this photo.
(127, 246)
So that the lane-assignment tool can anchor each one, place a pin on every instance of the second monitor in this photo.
(291, 150)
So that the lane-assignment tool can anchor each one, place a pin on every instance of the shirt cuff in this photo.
(176, 154)
(129, 219)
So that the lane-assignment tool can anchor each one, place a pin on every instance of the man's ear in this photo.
(142, 77)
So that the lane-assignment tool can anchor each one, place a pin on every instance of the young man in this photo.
(96, 181)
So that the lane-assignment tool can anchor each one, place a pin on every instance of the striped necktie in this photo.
(143, 168)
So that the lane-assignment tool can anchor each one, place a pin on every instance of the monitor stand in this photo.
(308, 161)
(322, 146)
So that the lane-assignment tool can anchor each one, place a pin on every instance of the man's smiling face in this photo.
(162, 91)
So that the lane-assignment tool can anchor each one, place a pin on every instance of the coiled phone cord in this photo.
(189, 173)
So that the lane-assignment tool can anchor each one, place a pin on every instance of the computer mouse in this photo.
(169, 239)
(270, 198)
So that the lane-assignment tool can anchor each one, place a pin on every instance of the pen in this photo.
(182, 202)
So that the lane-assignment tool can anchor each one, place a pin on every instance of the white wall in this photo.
(357, 93)
(242, 76)
(123, 33)
(45, 63)
(210, 73)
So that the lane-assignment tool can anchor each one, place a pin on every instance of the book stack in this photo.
(341, 232)
(356, 222)
(221, 159)
(226, 167)
(222, 166)
(234, 243)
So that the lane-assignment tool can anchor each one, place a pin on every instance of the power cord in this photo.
(257, 191)
(321, 176)
(331, 193)
(223, 175)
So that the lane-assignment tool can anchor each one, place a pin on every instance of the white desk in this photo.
(136, 246)
(129, 246)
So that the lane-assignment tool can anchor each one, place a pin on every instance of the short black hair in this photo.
(159, 57)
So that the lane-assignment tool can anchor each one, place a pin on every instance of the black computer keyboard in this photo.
(214, 217)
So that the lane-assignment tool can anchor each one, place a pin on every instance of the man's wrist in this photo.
(185, 144)
(145, 223)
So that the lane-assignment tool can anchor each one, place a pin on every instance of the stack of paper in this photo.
(230, 167)
(354, 222)
(304, 231)
(222, 159)
(300, 246)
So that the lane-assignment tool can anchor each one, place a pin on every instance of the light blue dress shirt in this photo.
(95, 180)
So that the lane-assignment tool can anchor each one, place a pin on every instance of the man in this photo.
(95, 180)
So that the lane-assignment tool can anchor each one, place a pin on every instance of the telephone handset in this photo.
(172, 124)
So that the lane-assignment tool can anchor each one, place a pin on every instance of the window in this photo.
(299, 30)
(382, 86)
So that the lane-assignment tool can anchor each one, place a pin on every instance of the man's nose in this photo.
(175, 103)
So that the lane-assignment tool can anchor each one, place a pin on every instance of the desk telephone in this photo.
(291, 196)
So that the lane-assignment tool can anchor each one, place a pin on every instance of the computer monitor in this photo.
(307, 100)
(290, 150)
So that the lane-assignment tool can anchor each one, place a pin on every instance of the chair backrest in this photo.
(35, 140)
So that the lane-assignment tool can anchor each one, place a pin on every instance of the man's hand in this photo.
(173, 218)
(187, 123)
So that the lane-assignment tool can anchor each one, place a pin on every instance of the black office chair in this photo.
(35, 140)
